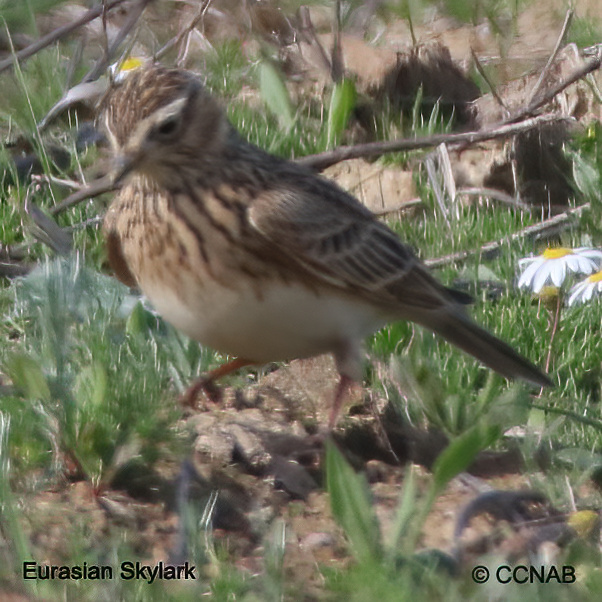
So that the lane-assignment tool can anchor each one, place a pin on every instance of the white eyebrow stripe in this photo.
(142, 128)
(158, 116)
(110, 135)
(173, 108)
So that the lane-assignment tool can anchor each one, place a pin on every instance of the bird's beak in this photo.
(123, 166)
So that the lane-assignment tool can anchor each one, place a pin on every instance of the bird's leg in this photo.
(207, 382)
(343, 387)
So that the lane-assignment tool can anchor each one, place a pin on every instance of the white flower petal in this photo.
(584, 265)
(529, 260)
(585, 293)
(573, 262)
(577, 292)
(593, 254)
(540, 278)
(527, 276)
(575, 295)
(558, 272)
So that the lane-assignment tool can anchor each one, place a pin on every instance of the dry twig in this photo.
(546, 227)
(11, 269)
(488, 81)
(321, 161)
(57, 34)
(403, 206)
(95, 188)
(186, 31)
(44, 228)
(545, 98)
(565, 26)
(110, 50)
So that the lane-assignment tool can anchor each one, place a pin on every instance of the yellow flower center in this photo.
(597, 277)
(556, 253)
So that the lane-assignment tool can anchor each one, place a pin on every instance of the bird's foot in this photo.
(340, 394)
(205, 385)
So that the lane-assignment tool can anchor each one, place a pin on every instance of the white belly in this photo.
(287, 322)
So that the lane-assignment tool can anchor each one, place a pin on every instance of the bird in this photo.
(254, 255)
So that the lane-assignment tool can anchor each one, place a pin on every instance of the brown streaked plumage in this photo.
(254, 255)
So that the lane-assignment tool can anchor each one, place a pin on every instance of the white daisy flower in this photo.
(584, 290)
(552, 266)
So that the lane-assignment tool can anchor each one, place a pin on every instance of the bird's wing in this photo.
(337, 240)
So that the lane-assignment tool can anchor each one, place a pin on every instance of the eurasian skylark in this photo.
(253, 255)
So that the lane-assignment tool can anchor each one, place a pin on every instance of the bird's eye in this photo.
(168, 127)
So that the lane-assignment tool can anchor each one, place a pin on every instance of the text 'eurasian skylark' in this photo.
(253, 255)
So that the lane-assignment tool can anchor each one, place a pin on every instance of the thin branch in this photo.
(496, 195)
(321, 161)
(11, 269)
(545, 98)
(576, 416)
(558, 221)
(492, 193)
(403, 206)
(177, 40)
(488, 81)
(337, 69)
(57, 34)
(520, 119)
(105, 34)
(96, 188)
(50, 179)
(565, 26)
(91, 221)
(307, 29)
(129, 24)
(14, 255)
(45, 229)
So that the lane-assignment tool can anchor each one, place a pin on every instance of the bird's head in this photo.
(161, 119)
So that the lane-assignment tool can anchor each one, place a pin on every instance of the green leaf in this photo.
(464, 10)
(406, 512)
(274, 93)
(92, 384)
(27, 375)
(510, 408)
(587, 177)
(140, 320)
(350, 502)
(416, 109)
(458, 455)
(342, 104)
(578, 458)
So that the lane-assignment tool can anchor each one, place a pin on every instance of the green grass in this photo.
(91, 377)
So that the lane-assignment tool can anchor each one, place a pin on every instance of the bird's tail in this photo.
(460, 330)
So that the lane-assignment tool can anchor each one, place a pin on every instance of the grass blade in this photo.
(274, 93)
(350, 502)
